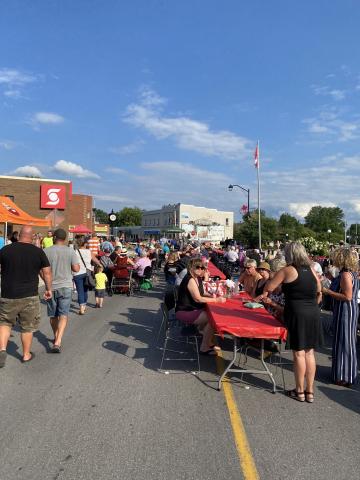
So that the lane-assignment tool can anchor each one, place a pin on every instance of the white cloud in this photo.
(160, 183)
(27, 171)
(331, 126)
(13, 81)
(73, 170)
(12, 77)
(331, 183)
(188, 134)
(116, 170)
(301, 209)
(7, 144)
(335, 93)
(111, 198)
(15, 94)
(46, 118)
(128, 149)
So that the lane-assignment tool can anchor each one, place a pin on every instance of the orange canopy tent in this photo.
(11, 213)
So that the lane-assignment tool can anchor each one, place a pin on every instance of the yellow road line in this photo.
(247, 462)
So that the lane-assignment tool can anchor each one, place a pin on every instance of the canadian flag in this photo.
(256, 156)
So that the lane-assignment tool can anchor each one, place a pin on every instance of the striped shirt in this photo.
(93, 245)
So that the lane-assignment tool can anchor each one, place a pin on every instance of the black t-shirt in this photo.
(20, 267)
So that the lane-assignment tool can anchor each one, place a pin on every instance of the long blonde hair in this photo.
(295, 254)
(344, 258)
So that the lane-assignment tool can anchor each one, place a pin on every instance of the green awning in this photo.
(173, 230)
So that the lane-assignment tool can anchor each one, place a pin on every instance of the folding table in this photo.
(241, 322)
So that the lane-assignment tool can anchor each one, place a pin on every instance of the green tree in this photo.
(289, 227)
(353, 233)
(129, 217)
(101, 216)
(321, 219)
(248, 234)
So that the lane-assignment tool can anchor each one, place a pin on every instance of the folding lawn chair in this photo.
(175, 333)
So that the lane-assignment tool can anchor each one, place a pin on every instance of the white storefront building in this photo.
(198, 223)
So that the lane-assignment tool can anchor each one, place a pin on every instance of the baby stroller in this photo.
(122, 281)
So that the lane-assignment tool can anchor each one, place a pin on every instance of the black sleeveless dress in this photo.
(302, 313)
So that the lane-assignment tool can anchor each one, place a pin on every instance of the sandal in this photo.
(56, 349)
(210, 352)
(215, 347)
(309, 397)
(29, 359)
(299, 396)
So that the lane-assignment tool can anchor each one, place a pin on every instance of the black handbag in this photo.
(89, 281)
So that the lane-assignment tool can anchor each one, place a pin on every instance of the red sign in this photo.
(53, 196)
(244, 210)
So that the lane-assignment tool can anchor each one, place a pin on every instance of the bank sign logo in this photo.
(53, 196)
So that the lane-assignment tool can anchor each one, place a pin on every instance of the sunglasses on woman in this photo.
(200, 268)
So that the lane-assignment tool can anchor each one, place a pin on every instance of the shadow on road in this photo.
(348, 398)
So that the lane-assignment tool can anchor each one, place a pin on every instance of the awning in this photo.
(11, 213)
(152, 232)
(79, 229)
(173, 230)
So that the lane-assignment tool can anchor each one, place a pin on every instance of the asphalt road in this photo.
(101, 410)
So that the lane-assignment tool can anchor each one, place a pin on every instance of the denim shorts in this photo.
(59, 304)
(100, 293)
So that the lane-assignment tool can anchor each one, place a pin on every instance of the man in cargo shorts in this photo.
(21, 264)
(63, 261)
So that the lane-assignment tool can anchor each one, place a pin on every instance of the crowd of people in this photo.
(291, 285)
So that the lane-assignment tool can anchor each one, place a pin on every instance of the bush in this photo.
(314, 247)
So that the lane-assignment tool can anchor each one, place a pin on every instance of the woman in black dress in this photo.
(190, 306)
(302, 290)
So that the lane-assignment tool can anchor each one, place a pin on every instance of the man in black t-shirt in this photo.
(21, 264)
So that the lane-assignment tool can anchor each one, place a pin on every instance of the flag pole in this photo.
(258, 185)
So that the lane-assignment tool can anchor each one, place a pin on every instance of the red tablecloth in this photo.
(232, 317)
(215, 272)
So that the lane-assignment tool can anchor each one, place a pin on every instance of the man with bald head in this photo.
(21, 264)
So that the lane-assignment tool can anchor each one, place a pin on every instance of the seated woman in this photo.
(190, 307)
(122, 259)
(250, 276)
(274, 302)
(170, 268)
(264, 270)
(140, 265)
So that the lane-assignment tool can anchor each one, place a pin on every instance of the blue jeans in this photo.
(59, 304)
(81, 289)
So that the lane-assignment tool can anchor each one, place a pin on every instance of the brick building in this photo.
(47, 198)
(81, 207)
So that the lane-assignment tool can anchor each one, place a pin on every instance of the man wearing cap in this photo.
(63, 261)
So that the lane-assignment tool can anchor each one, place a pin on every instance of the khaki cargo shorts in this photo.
(26, 310)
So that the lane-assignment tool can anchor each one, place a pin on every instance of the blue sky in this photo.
(152, 102)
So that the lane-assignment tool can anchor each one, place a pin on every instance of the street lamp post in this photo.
(247, 190)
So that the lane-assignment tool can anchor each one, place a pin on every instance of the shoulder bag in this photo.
(89, 279)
